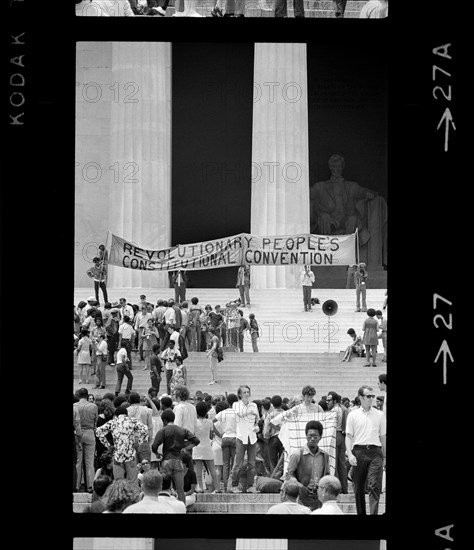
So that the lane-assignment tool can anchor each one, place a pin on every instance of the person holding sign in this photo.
(307, 280)
(99, 274)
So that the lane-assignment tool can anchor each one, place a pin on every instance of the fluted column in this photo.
(280, 161)
(140, 192)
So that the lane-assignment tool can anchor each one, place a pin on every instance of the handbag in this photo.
(104, 358)
(220, 354)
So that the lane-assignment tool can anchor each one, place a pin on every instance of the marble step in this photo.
(280, 374)
(240, 503)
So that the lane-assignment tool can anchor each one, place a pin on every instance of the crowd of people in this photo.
(140, 453)
(374, 9)
(160, 334)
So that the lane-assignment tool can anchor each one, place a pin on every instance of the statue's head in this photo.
(336, 164)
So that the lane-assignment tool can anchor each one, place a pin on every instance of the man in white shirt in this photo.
(365, 445)
(141, 322)
(170, 314)
(329, 488)
(289, 496)
(185, 413)
(125, 309)
(307, 280)
(152, 482)
(173, 335)
(247, 418)
(126, 334)
(123, 369)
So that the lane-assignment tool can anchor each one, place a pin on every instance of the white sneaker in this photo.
(251, 490)
(235, 490)
(160, 11)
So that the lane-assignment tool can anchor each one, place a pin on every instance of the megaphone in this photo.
(329, 307)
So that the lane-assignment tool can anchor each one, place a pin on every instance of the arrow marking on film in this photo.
(444, 349)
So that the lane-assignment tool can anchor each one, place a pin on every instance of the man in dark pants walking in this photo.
(271, 433)
(111, 331)
(333, 401)
(123, 369)
(365, 444)
(281, 8)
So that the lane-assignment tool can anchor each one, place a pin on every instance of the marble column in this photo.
(280, 160)
(140, 189)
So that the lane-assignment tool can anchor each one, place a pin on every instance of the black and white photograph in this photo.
(102, 543)
(339, 9)
(213, 215)
(214, 198)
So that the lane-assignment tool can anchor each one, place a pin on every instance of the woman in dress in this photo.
(202, 453)
(150, 338)
(371, 337)
(179, 376)
(356, 346)
(214, 344)
(84, 356)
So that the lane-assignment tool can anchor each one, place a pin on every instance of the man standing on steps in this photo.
(141, 322)
(333, 401)
(111, 331)
(243, 284)
(271, 433)
(307, 280)
(365, 444)
(126, 433)
(174, 441)
(98, 272)
(360, 280)
(123, 369)
(247, 417)
(179, 280)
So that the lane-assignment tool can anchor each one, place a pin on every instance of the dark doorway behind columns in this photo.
(348, 112)
(212, 102)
